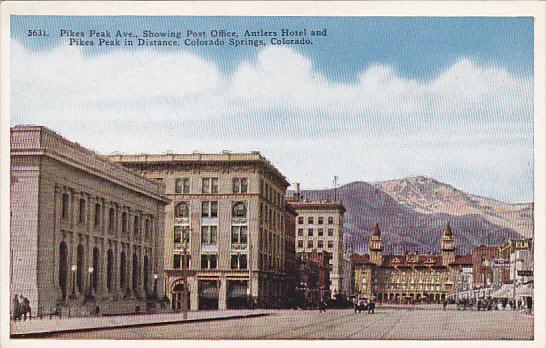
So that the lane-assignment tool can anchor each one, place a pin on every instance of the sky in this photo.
(377, 98)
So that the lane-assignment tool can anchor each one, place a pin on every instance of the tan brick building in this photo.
(225, 228)
(85, 233)
(319, 227)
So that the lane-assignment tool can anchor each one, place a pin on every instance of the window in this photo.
(208, 235)
(320, 220)
(209, 209)
(330, 232)
(310, 220)
(136, 224)
(177, 234)
(310, 244)
(300, 220)
(310, 232)
(210, 185)
(64, 207)
(300, 232)
(208, 261)
(97, 215)
(239, 235)
(238, 262)
(320, 232)
(239, 210)
(330, 244)
(82, 211)
(330, 220)
(240, 185)
(111, 219)
(320, 244)
(124, 222)
(177, 261)
(300, 243)
(181, 210)
(147, 227)
(182, 185)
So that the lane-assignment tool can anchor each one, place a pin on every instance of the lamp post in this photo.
(156, 276)
(515, 274)
(73, 296)
(184, 256)
(89, 292)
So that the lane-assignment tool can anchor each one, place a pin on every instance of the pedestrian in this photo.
(16, 308)
(445, 304)
(26, 307)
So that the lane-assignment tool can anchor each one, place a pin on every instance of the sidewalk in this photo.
(42, 327)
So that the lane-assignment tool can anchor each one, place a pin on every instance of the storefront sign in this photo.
(525, 273)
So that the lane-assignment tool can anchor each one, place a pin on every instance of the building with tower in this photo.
(409, 277)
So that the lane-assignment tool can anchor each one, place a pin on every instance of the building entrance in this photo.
(177, 296)
(237, 294)
(208, 294)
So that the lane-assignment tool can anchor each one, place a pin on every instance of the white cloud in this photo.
(461, 126)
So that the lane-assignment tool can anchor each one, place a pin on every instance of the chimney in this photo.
(297, 195)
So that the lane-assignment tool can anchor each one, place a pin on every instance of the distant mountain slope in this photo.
(413, 212)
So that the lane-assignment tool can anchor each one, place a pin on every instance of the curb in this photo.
(46, 334)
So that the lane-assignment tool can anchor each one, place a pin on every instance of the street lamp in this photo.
(155, 285)
(73, 296)
(89, 293)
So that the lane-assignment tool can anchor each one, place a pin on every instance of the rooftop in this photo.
(32, 140)
(317, 205)
(198, 157)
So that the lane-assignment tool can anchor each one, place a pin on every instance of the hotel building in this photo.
(225, 234)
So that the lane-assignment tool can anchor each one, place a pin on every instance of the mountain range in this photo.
(412, 214)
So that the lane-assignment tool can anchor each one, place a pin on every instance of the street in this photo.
(385, 324)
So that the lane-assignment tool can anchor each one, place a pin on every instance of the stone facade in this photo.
(225, 233)
(409, 277)
(71, 210)
(320, 227)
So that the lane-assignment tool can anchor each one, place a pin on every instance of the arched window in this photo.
(122, 270)
(95, 276)
(182, 210)
(109, 269)
(239, 210)
(135, 271)
(80, 265)
(145, 280)
(111, 219)
(63, 268)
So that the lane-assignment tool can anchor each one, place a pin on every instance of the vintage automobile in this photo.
(361, 303)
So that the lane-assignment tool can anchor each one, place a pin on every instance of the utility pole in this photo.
(335, 188)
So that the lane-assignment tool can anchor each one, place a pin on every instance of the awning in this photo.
(524, 291)
(506, 291)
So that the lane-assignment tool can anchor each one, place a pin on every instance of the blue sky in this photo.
(378, 98)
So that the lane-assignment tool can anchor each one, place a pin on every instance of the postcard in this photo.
(236, 172)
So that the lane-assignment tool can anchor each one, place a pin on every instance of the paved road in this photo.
(386, 323)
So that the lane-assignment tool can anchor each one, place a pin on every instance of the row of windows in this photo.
(210, 185)
(311, 220)
(311, 232)
(272, 195)
(97, 217)
(209, 235)
(210, 261)
(320, 244)
(209, 209)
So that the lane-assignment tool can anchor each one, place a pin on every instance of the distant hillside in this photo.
(413, 212)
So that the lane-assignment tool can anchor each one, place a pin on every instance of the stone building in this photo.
(85, 233)
(408, 277)
(225, 233)
(320, 227)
